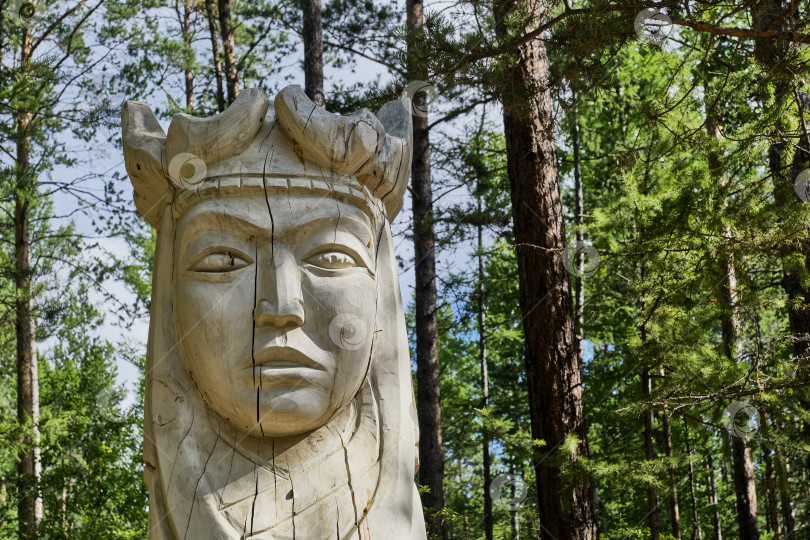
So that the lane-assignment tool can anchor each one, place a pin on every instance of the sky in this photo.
(102, 155)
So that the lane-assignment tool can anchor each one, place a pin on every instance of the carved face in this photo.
(275, 301)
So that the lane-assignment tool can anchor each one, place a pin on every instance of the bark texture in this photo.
(697, 534)
(653, 505)
(514, 520)
(745, 490)
(428, 403)
(798, 293)
(482, 349)
(731, 329)
(313, 51)
(798, 297)
(579, 220)
(718, 531)
(29, 466)
(554, 382)
(187, 39)
(783, 481)
(674, 507)
(783, 173)
(228, 49)
(773, 504)
(215, 54)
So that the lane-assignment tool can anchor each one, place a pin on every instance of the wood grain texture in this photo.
(279, 401)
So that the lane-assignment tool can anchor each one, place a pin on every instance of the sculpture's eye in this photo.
(333, 260)
(221, 261)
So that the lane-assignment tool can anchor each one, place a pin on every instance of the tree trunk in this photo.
(744, 485)
(697, 534)
(579, 220)
(64, 499)
(431, 459)
(718, 532)
(771, 14)
(228, 49)
(554, 383)
(313, 51)
(482, 348)
(674, 508)
(783, 481)
(3, 490)
(745, 489)
(215, 55)
(798, 293)
(428, 403)
(770, 479)
(773, 505)
(653, 506)
(29, 467)
(515, 522)
(743, 467)
(187, 39)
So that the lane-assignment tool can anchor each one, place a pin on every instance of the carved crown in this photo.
(255, 147)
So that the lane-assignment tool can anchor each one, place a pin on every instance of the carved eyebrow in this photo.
(216, 219)
(235, 226)
(359, 228)
(220, 222)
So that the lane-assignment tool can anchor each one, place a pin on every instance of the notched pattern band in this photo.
(346, 189)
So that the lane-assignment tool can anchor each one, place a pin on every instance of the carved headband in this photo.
(242, 150)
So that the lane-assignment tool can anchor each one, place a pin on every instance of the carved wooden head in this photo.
(279, 400)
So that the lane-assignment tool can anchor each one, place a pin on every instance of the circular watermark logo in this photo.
(741, 420)
(653, 26)
(415, 87)
(103, 93)
(504, 497)
(348, 331)
(802, 185)
(109, 402)
(187, 170)
(24, 13)
(591, 255)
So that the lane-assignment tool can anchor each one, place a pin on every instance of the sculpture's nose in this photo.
(279, 301)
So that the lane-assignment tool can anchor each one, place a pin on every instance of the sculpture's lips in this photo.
(283, 357)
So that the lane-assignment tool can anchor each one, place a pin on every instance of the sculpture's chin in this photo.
(286, 413)
(277, 412)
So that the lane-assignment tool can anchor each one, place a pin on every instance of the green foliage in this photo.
(91, 437)
(663, 222)
(668, 206)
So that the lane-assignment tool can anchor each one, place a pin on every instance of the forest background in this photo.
(605, 249)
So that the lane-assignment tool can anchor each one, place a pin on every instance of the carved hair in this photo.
(358, 151)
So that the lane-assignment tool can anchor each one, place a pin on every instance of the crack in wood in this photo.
(197, 486)
(174, 462)
(255, 496)
(292, 490)
(349, 480)
(253, 334)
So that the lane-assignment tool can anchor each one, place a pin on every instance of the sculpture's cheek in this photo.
(340, 310)
(215, 327)
(340, 313)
